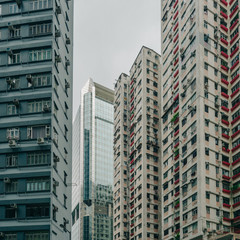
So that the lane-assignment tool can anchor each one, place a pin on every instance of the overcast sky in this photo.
(108, 34)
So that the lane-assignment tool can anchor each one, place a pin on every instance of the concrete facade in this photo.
(200, 128)
(137, 150)
(93, 164)
(35, 119)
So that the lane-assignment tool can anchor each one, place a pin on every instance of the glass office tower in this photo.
(94, 174)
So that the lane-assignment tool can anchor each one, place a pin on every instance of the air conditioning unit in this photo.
(12, 143)
(9, 51)
(66, 221)
(170, 35)
(2, 235)
(193, 174)
(58, 58)
(57, 33)
(10, 27)
(56, 183)
(184, 86)
(58, 10)
(40, 140)
(183, 67)
(9, 81)
(19, 2)
(29, 78)
(183, 94)
(67, 85)
(56, 159)
(191, 36)
(16, 102)
(67, 63)
(6, 180)
(46, 108)
(68, 41)
(206, 85)
(181, 50)
(14, 205)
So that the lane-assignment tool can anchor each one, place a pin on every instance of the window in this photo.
(207, 180)
(14, 58)
(40, 55)
(206, 108)
(39, 29)
(10, 236)
(36, 211)
(38, 184)
(13, 133)
(37, 236)
(207, 195)
(39, 106)
(38, 158)
(11, 186)
(207, 151)
(11, 109)
(64, 200)
(15, 32)
(13, 83)
(13, 8)
(38, 132)
(39, 4)
(41, 80)
(11, 160)
(10, 213)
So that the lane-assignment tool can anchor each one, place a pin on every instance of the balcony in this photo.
(234, 11)
(177, 96)
(230, 3)
(225, 122)
(236, 148)
(224, 2)
(175, 4)
(175, 15)
(132, 162)
(176, 73)
(226, 149)
(235, 78)
(176, 26)
(224, 15)
(224, 68)
(235, 134)
(176, 145)
(234, 65)
(176, 109)
(236, 162)
(131, 225)
(236, 204)
(175, 63)
(235, 106)
(224, 28)
(235, 92)
(176, 85)
(225, 95)
(224, 54)
(131, 143)
(226, 191)
(226, 177)
(224, 41)
(132, 206)
(224, 108)
(235, 120)
(226, 219)
(176, 49)
(224, 81)
(234, 38)
(177, 194)
(226, 164)
(176, 182)
(236, 176)
(176, 133)
(225, 136)
(234, 25)
(177, 218)
(176, 38)
(226, 205)
(176, 169)
(175, 158)
(132, 188)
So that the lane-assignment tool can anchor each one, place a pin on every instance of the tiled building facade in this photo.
(35, 119)
(200, 128)
(137, 162)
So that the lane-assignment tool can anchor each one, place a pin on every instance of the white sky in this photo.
(108, 34)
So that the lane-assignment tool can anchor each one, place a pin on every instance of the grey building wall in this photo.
(35, 118)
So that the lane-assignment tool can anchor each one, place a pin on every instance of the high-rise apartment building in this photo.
(35, 119)
(137, 162)
(200, 129)
(92, 214)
